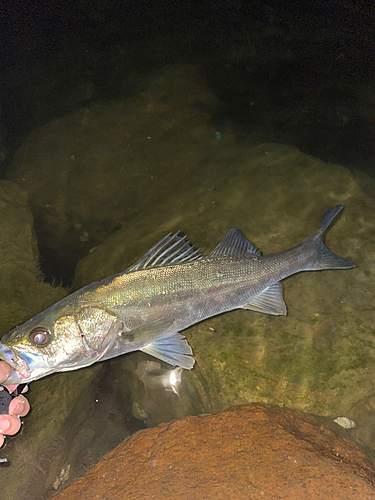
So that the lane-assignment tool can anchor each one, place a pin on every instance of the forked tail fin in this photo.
(326, 259)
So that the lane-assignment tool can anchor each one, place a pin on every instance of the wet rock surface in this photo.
(317, 359)
(247, 452)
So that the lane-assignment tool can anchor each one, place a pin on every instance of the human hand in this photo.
(10, 424)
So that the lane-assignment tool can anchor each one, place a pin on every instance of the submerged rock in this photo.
(91, 172)
(22, 290)
(251, 451)
(319, 358)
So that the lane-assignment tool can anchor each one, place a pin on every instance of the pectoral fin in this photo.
(147, 331)
(269, 301)
(173, 348)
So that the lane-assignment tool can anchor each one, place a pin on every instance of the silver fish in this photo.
(145, 307)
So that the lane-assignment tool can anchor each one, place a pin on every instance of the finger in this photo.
(12, 387)
(5, 371)
(1, 440)
(9, 424)
(19, 406)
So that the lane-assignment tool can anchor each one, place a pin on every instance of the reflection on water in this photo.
(158, 393)
(154, 377)
(156, 381)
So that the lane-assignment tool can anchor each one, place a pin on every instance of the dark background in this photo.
(300, 73)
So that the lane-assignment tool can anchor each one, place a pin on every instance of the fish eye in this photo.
(40, 336)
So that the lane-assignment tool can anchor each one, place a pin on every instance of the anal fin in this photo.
(269, 301)
(172, 349)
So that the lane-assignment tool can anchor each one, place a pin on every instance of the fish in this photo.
(170, 288)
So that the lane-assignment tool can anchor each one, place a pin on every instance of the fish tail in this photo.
(325, 258)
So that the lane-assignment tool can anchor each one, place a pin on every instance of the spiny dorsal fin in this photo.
(234, 244)
(172, 249)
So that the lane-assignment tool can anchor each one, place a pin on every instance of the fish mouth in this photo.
(8, 355)
(26, 366)
(21, 368)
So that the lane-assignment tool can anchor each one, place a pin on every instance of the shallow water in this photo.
(124, 131)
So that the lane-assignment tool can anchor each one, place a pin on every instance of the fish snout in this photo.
(8, 355)
(21, 369)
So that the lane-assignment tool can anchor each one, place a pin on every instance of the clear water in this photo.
(182, 118)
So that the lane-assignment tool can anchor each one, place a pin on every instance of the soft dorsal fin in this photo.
(172, 249)
(234, 244)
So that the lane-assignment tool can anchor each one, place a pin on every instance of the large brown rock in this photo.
(247, 452)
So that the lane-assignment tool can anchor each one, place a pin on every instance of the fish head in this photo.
(56, 341)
